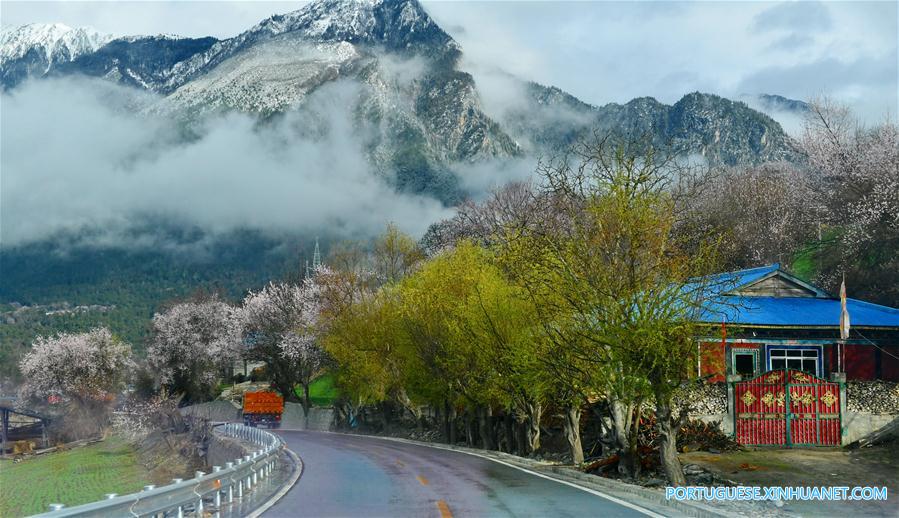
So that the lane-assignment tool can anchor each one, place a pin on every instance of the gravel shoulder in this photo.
(875, 466)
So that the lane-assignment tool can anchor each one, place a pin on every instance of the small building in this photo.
(763, 319)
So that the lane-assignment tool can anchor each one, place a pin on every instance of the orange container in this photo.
(268, 403)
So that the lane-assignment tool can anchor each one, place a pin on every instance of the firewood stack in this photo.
(703, 399)
(875, 396)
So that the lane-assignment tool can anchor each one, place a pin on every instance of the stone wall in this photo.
(859, 424)
(319, 420)
(221, 449)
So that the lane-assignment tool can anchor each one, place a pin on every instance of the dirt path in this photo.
(877, 466)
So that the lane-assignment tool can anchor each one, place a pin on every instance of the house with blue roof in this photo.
(765, 318)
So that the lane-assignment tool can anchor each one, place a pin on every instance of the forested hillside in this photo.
(44, 291)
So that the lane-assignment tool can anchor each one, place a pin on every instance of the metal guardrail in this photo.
(205, 493)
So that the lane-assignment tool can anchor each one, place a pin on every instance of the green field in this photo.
(72, 477)
(322, 391)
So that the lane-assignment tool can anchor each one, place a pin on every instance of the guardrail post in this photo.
(149, 487)
(110, 496)
(198, 510)
(57, 507)
(218, 491)
(229, 465)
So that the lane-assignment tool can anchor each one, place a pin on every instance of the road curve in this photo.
(347, 475)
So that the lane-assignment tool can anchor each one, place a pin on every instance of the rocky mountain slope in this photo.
(140, 61)
(775, 103)
(420, 112)
(719, 129)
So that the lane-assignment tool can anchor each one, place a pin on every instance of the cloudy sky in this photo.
(601, 51)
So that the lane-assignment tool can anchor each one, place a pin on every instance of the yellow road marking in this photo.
(444, 509)
(423, 480)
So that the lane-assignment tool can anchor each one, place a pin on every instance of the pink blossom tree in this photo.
(193, 344)
(281, 325)
(854, 171)
(81, 374)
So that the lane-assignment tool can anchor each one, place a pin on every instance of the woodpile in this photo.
(875, 396)
(693, 436)
(699, 435)
(703, 399)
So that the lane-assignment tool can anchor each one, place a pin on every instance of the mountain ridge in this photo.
(421, 124)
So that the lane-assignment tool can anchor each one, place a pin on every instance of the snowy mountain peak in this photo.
(143, 37)
(50, 43)
(395, 24)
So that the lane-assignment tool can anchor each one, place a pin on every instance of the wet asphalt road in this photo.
(346, 475)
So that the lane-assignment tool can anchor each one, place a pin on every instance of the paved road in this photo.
(347, 475)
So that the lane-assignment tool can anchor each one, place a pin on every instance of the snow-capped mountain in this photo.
(420, 111)
(141, 61)
(34, 49)
(394, 25)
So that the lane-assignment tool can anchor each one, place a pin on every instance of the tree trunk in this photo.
(485, 426)
(628, 465)
(668, 428)
(411, 407)
(532, 427)
(307, 401)
(453, 419)
(385, 416)
(573, 433)
(446, 422)
(469, 428)
(509, 432)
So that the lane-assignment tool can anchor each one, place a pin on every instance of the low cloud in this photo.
(77, 160)
(794, 16)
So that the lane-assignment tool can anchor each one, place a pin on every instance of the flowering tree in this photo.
(193, 342)
(855, 172)
(280, 324)
(766, 212)
(81, 373)
(86, 366)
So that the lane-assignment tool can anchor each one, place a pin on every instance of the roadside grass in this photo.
(72, 477)
(322, 391)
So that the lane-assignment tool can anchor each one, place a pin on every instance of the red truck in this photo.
(262, 408)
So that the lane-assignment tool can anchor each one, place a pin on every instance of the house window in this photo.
(745, 361)
(744, 364)
(799, 359)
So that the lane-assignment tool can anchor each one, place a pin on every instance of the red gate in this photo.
(787, 407)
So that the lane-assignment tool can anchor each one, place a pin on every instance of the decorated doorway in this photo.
(788, 408)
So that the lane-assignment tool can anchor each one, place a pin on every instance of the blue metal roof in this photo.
(729, 280)
(796, 311)
(820, 311)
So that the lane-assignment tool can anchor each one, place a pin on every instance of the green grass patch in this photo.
(71, 477)
(322, 391)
